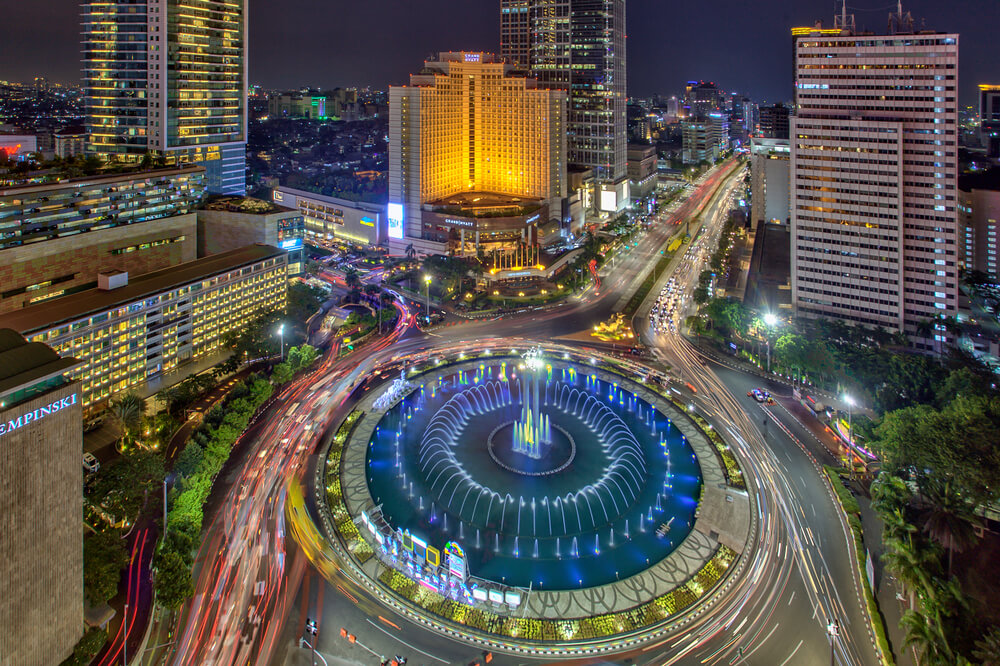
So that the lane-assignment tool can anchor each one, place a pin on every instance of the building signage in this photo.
(367, 222)
(292, 244)
(11, 425)
(461, 223)
(394, 213)
(533, 218)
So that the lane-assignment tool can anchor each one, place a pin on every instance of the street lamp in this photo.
(833, 631)
(281, 334)
(771, 320)
(427, 297)
(850, 433)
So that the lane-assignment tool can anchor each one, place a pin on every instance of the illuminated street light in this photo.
(427, 297)
(850, 432)
(281, 334)
(770, 320)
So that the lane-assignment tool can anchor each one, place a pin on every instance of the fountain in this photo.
(570, 457)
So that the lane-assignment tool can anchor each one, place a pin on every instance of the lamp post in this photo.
(427, 297)
(281, 334)
(125, 641)
(850, 433)
(770, 319)
(833, 631)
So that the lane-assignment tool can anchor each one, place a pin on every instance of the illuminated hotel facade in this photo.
(168, 77)
(56, 237)
(41, 531)
(579, 46)
(477, 159)
(874, 163)
(127, 333)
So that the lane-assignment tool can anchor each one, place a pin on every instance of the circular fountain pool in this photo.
(546, 474)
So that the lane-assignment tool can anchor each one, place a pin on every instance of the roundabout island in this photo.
(536, 500)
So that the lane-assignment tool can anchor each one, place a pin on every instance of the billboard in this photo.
(394, 213)
(609, 201)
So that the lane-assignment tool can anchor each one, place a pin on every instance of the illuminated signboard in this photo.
(512, 598)
(278, 196)
(609, 201)
(10, 425)
(433, 556)
(479, 594)
(461, 223)
(455, 558)
(472, 57)
(533, 218)
(394, 213)
(496, 596)
(292, 244)
(367, 222)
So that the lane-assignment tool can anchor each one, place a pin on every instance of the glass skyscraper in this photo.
(168, 78)
(579, 46)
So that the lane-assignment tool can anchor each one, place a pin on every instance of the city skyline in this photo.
(661, 57)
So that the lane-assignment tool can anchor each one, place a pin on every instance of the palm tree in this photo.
(920, 633)
(950, 520)
(889, 492)
(127, 410)
(351, 278)
(384, 299)
(896, 526)
(988, 648)
(909, 565)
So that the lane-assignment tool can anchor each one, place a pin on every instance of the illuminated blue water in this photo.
(629, 474)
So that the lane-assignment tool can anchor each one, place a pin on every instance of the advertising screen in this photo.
(394, 213)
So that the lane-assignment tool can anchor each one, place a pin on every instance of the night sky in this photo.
(740, 44)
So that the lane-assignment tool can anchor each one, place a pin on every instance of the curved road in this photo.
(255, 587)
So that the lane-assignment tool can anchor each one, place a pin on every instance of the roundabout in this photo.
(534, 496)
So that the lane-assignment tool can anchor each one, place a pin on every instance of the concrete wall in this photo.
(41, 532)
(81, 257)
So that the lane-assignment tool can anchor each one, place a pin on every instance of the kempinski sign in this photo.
(11, 425)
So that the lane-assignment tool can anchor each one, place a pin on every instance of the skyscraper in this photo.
(874, 171)
(579, 46)
(478, 157)
(169, 79)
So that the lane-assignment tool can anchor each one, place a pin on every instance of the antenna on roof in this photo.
(900, 22)
(845, 21)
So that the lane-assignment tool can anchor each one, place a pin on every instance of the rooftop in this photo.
(102, 179)
(23, 363)
(249, 205)
(41, 316)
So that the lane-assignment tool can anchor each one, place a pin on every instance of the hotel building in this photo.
(478, 157)
(56, 237)
(704, 138)
(329, 218)
(168, 78)
(579, 46)
(41, 531)
(127, 333)
(874, 155)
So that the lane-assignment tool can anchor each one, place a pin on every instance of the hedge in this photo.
(850, 506)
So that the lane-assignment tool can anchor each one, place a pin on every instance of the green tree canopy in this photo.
(104, 557)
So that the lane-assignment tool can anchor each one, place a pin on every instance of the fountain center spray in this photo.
(533, 430)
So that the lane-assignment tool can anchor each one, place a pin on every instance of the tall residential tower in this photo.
(874, 177)
(168, 78)
(579, 46)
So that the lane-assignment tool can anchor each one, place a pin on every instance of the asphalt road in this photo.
(256, 587)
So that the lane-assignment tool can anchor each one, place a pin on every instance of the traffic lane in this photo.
(815, 500)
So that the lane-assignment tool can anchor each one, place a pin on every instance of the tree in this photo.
(410, 252)
(104, 557)
(384, 299)
(127, 411)
(189, 459)
(889, 493)
(909, 564)
(173, 580)
(351, 278)
(122, 486)
(303, 302)
(920, 633)
(950, 520)
(988, 648)
(282, 374)
(302, 357)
